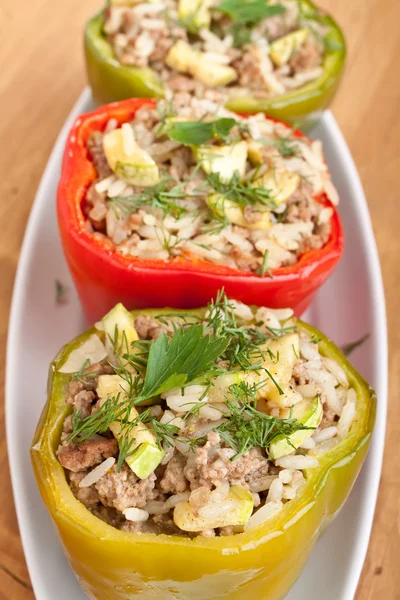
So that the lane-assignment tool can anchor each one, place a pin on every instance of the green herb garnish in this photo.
(165, 196)
(244, 193)
(192, 354)
(196, 133)
(249, 428)
(174, 363)
(264, 269)
(249, 12)
(169, 363)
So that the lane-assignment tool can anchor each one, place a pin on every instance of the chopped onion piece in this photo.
(91, 350)
(221, 492)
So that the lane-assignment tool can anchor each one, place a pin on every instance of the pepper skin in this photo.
(262, 563)
(104, 277)
(111, 81)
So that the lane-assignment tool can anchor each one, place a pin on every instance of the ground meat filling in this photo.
(146, 35)
(79, 457)
(201, 465)
(142, 223)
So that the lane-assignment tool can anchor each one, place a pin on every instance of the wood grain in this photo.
(42, 73)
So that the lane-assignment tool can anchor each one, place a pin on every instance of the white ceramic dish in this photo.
(349, 305)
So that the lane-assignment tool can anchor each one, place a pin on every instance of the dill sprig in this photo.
(165, 195)
(244, 349)
(248, 428)
(82, 375)
(264, 269)
(243, 193)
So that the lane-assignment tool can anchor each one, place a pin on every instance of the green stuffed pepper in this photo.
(201, 454)
(284, 58)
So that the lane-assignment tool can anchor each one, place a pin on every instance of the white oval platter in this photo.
(348, 306)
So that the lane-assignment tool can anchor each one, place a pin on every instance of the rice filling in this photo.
(199, 182)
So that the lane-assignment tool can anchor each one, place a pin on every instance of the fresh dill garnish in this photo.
(280, 332)
(82, 376)
(164, 317)
(165, 195)
(264, 269)
(249, 12)
(243, 193)
(347, 349)
(248, 428)
(244, 349)
(196, 133)
(286, 146)
(166, 433)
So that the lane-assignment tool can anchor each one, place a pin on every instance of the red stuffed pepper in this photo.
(164, 204)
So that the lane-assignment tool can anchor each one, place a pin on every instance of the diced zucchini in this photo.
(307, 412)
(119, 328)
(234, 213)
(195, 14)
(224, 160)
(180, 56)
(212, 74)
(128, 160)
(235, 510)
(282, 184)
(148, 456)
(184, 59)
(282, 49)
(220, 386)
(280, 356)
(255, 152)
(91, 351)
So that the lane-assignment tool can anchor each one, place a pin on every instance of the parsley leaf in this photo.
(173, 363)
(249, 12)
(196, 133)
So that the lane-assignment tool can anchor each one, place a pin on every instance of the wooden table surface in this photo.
(42, 74)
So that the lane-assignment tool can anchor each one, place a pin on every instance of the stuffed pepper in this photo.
(283, 57)
(198, 453)
(165, 204)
